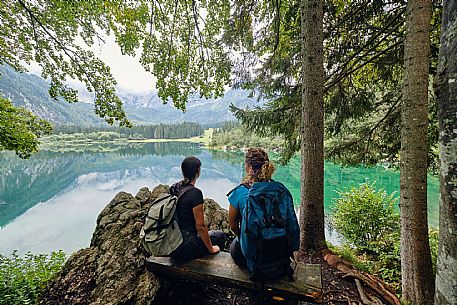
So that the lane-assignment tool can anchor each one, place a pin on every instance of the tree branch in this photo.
(151, 20)
(59, 44)
(200, 37)
(343, 75)
(373, 38)
(172, 32)
(370, 132)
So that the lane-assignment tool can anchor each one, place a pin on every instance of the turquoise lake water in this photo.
(51, 201)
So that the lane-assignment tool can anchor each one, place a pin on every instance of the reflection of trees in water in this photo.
(231, 163)
(288, 175)
(123, 148)
(220, 167)
(24, 183)
(233, 157)
(27, 183)
(339, 178)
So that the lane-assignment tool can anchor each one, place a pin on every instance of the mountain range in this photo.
(31, 91)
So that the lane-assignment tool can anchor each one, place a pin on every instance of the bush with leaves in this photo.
(386, 259)
(367, 220)
(433, 241)
(363, 215)
(22, 279)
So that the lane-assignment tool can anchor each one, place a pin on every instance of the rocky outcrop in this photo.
(112, 270)
(216, 218)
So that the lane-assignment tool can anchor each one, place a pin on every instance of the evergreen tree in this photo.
(416, 263)
(363, 56)
(312, 131)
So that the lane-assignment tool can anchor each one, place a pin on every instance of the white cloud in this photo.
(126, 70)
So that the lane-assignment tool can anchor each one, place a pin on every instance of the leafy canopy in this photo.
(179, 42)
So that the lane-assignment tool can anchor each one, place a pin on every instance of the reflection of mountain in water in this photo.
(24, 183)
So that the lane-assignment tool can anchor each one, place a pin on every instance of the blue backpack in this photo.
(271, 230)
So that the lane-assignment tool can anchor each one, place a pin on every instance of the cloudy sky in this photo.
(127, 70)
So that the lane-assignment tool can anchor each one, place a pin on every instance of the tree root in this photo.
(366, 300)
(374, 283)
(349, 301)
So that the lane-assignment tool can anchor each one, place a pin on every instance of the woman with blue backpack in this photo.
(262, 216)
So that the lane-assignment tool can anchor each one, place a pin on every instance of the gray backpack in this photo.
(160, 234)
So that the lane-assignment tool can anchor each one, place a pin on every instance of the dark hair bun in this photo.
(190, 167)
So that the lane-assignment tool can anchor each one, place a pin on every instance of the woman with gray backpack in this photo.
(197, 240)
(175, 224)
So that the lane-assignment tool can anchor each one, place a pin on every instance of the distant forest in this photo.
(160, 131)
(233, 135)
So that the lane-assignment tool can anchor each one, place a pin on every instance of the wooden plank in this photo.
(220, 269)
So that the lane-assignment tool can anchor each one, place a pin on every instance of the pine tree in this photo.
(416, 263)
(312, 132)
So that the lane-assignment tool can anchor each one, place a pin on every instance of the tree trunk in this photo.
(416, 265)
(446, 92)
(312, 133)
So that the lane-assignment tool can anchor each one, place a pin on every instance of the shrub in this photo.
(368, 221)
(386, 259)
(433, 241)
(23, 279)
(363, 215)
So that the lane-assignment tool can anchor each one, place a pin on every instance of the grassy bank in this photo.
(106, 141)
(203, 139)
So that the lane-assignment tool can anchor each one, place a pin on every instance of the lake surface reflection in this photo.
(51, 201)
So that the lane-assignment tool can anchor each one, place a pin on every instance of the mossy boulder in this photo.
(112, 269)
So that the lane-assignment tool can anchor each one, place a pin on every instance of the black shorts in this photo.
(237, 255)
(193, 247)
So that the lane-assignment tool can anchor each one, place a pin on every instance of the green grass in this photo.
(204, 139)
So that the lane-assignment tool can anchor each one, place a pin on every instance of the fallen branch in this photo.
(377, 285)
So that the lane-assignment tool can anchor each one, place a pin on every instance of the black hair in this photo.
(190, 167)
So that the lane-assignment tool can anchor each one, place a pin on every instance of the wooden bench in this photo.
(220, 269)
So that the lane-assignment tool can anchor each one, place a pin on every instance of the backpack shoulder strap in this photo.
(239, 185)
(184, 190)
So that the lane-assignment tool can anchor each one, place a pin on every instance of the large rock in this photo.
(112, 270)
(216, 218)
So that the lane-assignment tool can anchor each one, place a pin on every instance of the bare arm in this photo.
(234, 217)
(202, 229)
